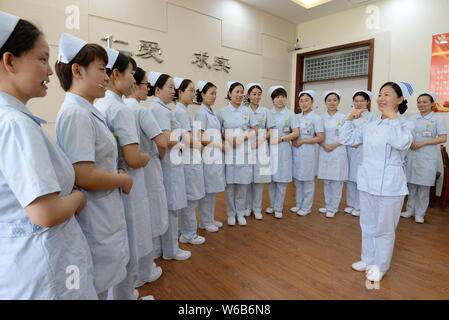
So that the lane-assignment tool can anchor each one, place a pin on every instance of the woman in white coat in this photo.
(238, 125)
(381, 177)
(193, 167)
(284, 131)
(260, 151)
(333, 159)
(361, 100)
(311, 130)
(152, 142)
(212, 155)
(162, 87)
(44, 254)
(422, 158)
(82, 133)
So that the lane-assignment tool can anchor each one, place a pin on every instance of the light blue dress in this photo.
(304, 160)
(281, 156)
(36, 262)
(121, 121)
(82, 133)
(422, 164)
(382, 183)
(213, 164)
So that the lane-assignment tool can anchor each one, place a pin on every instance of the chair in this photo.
(445, 189)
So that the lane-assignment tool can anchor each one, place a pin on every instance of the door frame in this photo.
(300, 65)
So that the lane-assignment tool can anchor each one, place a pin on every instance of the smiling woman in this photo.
(38, 204)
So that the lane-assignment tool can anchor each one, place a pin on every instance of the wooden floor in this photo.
(306, 258)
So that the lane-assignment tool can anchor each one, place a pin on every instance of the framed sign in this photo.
(439, 71)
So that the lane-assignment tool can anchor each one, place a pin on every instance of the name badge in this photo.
(305, 131)
(427, 134)
(337, 132)
(286, 129)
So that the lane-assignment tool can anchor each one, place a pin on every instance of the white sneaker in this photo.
(302, 213)
(218, 224)
(361, 266)
(407, 214)
(197, 240)
(294, 209)
(231, 221)
(258, 215)
(269, 210)
(419, 219)
(210, 228)
(374, 274)
(322, 210)
(242, 221)
(278, 214)
(349, 209)
(247, 212)
(355, 213)
(180, 255)
(155, 274)
(330, 214)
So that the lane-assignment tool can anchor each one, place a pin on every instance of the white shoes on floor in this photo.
(155, 274)
(355, 213)
(294, 209)
(231, 221)
(278, 215)
(322, 210)
(407, 214)
(330, 214)
(210, 228)
(218, 224)
(258, 215)
(374, 274)
(349, 209)
(302, 213)
(361, 266)
(419, 219)
(180, 255)
(242, 221)
(247, 212)
(196, 240)
(269, 210)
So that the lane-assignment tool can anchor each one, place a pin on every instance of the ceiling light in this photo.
(310, 3)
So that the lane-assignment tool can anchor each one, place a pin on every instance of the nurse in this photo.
(361, 100)
(261, 152)
(152, 142)
(238, 125)
(381, 178)
(311, 129)
(122, 123)
(193, 167)
(422, 158)
(162, 87)
(40, 239)
(83, 135)
(333, 159)
(212, 155)
(285, 130)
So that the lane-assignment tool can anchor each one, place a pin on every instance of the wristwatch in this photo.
(282, 139)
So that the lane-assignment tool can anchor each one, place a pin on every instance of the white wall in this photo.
(403, 41)
(257, 43)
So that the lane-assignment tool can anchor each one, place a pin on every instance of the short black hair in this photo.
(403, 106)
(426, 95)
(121, 64)
(22, 39)
(160, 83)
(304, 94)
(362, 94)
(86, 56)
(327, 96)
(232, 87)
(206, 88)
(139, 74)
(278, 92)
(183, 86)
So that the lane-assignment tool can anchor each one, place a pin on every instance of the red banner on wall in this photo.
(439, 71)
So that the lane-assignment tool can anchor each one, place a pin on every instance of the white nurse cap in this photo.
(201, 85)
(337, 92)
(406, 88)
(153, 77)
(253, 84)
(112, 57)
(69, 47)
(178, 82)
(7, 24)
(274, 88)
(369, 93)
(432, 94)
(230, 83)
(309, 92)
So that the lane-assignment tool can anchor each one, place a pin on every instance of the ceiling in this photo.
(295, 13)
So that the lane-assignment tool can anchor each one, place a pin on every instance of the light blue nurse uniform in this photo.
(213, 164)
(281, 156)
(82, 133)
(173, 173)
(354, 160)
(237, 122)
(154, 183)
(261, 161)
(193, 173)
(333, 166)
(37, 262)
(422, 164)
(121, 121)
(305, 159)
